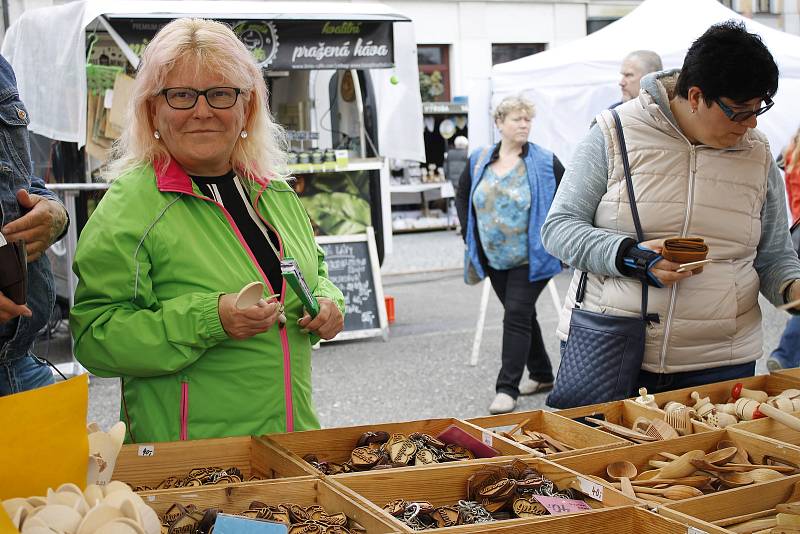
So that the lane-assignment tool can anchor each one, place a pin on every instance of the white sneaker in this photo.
(502, 403)
(529, 387)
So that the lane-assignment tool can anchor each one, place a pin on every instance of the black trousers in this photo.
(522, 338)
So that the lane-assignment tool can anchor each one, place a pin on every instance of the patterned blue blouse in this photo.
(502, 209)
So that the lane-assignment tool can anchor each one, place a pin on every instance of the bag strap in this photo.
(636, 222)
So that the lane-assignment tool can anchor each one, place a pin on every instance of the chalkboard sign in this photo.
(353, 267)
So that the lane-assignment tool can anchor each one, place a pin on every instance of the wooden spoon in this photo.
(764, 475)
(735, 480)
(741, 456)
(623, 471)
(721, 456)
(694, 481)
(674, 493)
(683, 466)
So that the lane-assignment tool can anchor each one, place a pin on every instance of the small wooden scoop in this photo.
(249, 295)
(674, 493)
(623, 471)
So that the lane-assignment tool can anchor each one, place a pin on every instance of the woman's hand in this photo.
(328, 322)
(664, 270)
(243, 324)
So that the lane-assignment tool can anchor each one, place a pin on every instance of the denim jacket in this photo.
(16, 172)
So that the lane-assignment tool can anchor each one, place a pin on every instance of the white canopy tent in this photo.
(570, 84)
(47, 47)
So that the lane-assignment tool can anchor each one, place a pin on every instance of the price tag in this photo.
(147, 450)
(108, 99)
(232, 524)
(557, 505)
(590, 488)
(693, 530)
(487, 438)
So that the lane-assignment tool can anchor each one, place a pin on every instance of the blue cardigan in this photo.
(542, 181)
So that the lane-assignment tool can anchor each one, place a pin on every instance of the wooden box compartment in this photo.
(581, 437)
(793, 372)
(720, 392)
(617, 520)
(595, 464)
(773, 431)
(445, 484)
(623, 412)
(304, 491)
(336, 444)
(732, 503)
(142, 464)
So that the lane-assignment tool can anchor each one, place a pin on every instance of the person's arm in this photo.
(43, 222)
(776, 261)
(462, 198)
(558, 170)
(119, 325)
(568, 232)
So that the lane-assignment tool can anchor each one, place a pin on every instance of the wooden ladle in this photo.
(623, 472)
(741, 456)
(721, 456)
(682, 467)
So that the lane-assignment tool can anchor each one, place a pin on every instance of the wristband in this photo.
(639, 261)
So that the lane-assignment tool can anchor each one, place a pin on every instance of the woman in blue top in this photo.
(503, 198)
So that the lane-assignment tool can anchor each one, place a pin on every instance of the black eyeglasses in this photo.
(741, 116)
(186, 97)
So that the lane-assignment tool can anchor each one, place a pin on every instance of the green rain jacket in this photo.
(152, 262)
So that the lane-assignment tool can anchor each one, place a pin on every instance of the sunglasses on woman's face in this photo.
(186, 97)
(741, 116)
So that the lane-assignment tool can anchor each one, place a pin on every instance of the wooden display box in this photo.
(336, 444)
(445, 484)
(582, 437)
(731, 503)
(615, 520)
(793, 372)
(303, 491)
(595, 464)
(148, 464)
(623, 412)
(771, 430)
(720, 392)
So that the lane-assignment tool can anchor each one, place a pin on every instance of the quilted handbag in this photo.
(604, 353)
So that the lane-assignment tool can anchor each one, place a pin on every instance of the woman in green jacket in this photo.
(195, 213)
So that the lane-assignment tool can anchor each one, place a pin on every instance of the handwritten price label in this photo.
(556, 505)
(590, 488)
(147, 450)
(487, 438)
(693, 530)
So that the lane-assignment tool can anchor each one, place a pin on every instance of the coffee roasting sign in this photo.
(291, 45)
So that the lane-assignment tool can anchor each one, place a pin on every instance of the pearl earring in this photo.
(243, 135)
(694, 110)
(157, 135)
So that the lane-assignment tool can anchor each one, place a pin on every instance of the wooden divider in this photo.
(149, 464)
(303, 491)
(336, 444)
(732, 503)
(445, 484)
(582, 437)
(793, 372)
(771, 430)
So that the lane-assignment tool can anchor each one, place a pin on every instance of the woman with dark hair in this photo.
(699, 168)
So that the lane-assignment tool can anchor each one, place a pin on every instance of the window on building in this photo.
(763, 6)
(505, 52)
(597, 23)
(727, 3)
(434, 72)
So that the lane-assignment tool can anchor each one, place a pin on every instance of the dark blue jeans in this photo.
(522, 338)
(788, 351)
(659, 382)
(23, 374)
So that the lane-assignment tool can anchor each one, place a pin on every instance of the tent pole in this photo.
(130, 55)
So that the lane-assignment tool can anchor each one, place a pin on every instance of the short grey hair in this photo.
(649, 60)
(510, 104)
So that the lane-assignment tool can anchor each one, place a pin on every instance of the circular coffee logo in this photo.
(261, 38)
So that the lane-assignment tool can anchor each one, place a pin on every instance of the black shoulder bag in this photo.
(604, 353)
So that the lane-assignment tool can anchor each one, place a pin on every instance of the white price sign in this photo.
(591, 488)
(147, 450)
(693, 530)
(487, 438)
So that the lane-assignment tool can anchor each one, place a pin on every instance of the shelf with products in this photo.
(365, 164)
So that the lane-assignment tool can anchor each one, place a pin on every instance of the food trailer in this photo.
(342, 79)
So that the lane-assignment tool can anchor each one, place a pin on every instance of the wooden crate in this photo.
(445, 484)
(617, 520)
(336, 444)
(303, 491)
(582, 437)
(148, 465)
(731, 503)
(793, 372)
(595, 464)
(623, 412)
